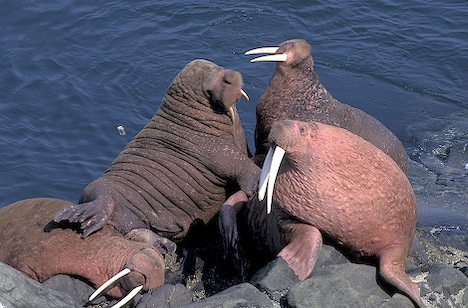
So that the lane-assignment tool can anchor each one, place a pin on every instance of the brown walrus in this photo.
(177, 168)
(295, 93)
(32, 243)
(336, 183)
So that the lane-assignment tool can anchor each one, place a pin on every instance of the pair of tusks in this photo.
(272, 55)
(109, 282)
(231, 110)
(270, 170)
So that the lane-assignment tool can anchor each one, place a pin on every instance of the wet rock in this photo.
(17, 290)
(343, 285)
(275, 279)
(166, 296)
(241, 295)
(445, 279)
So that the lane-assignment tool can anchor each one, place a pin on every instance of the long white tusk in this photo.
(262, 183)
(106, 284)
(281, 57)
(244, 94)
(128, 297)
(232, 113)
(256, 51)
(275, 165)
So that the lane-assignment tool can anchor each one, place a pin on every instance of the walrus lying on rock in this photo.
(177, 168)
(32, 243)
(296, 93)
(334, 183)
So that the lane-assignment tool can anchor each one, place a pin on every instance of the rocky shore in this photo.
(199, 277)
(439, 269)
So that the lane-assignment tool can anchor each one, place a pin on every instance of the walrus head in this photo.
(285, 136)
(203, 79)
(289, 54)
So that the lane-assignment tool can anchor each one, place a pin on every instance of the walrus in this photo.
(296, 93)
(321, 179)
(178, 168)
(32, 243)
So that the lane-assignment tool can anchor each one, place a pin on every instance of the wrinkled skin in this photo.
(334, 183)
(177, 169)
(33, 244)
(295, 93)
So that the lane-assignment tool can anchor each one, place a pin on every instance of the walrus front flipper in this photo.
(163, 245)
(227, 224)
(91, 216)
(303, 248)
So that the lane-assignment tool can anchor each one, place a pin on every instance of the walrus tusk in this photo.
(128, 297)
(281, 57)
(109, 282)
(256, 51)
(232, 113)
(275, 165)
(244, 95)
(262, 183)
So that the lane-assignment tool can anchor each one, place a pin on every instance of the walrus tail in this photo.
(392, 270)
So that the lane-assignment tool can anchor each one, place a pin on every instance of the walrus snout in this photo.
(287, 133)
(225, 89)
(291, 53)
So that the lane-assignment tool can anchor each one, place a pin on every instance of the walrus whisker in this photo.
(281, 57)
(256, 51)
(106, 284)
(244, 95)
(275, 165)
(262, 183)
(128, 297)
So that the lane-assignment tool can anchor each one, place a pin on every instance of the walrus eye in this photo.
(302, 130)
(226, 81)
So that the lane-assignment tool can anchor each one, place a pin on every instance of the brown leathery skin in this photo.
(33, 244)
(296, 93)
(335, 183)
(177, 168)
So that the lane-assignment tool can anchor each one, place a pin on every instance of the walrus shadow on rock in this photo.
(32, 243)
(328, 181)
(296, 93)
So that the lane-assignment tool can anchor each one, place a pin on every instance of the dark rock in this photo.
(275, 278)
(166, 296)
(445, 279)
(17, 290)
(344, 285)
(76, 288)
(329, 255)
(241, 295)
(397, 301)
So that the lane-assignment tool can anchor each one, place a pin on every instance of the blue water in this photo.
(72, 71)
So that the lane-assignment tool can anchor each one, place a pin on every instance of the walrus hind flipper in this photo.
(392, 270)
(161, 244)
(91, 216)
(303, 248)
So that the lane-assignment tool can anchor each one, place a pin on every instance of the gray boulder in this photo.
(241, 295)
(166, 296)
(343, 285)
(17, 290)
